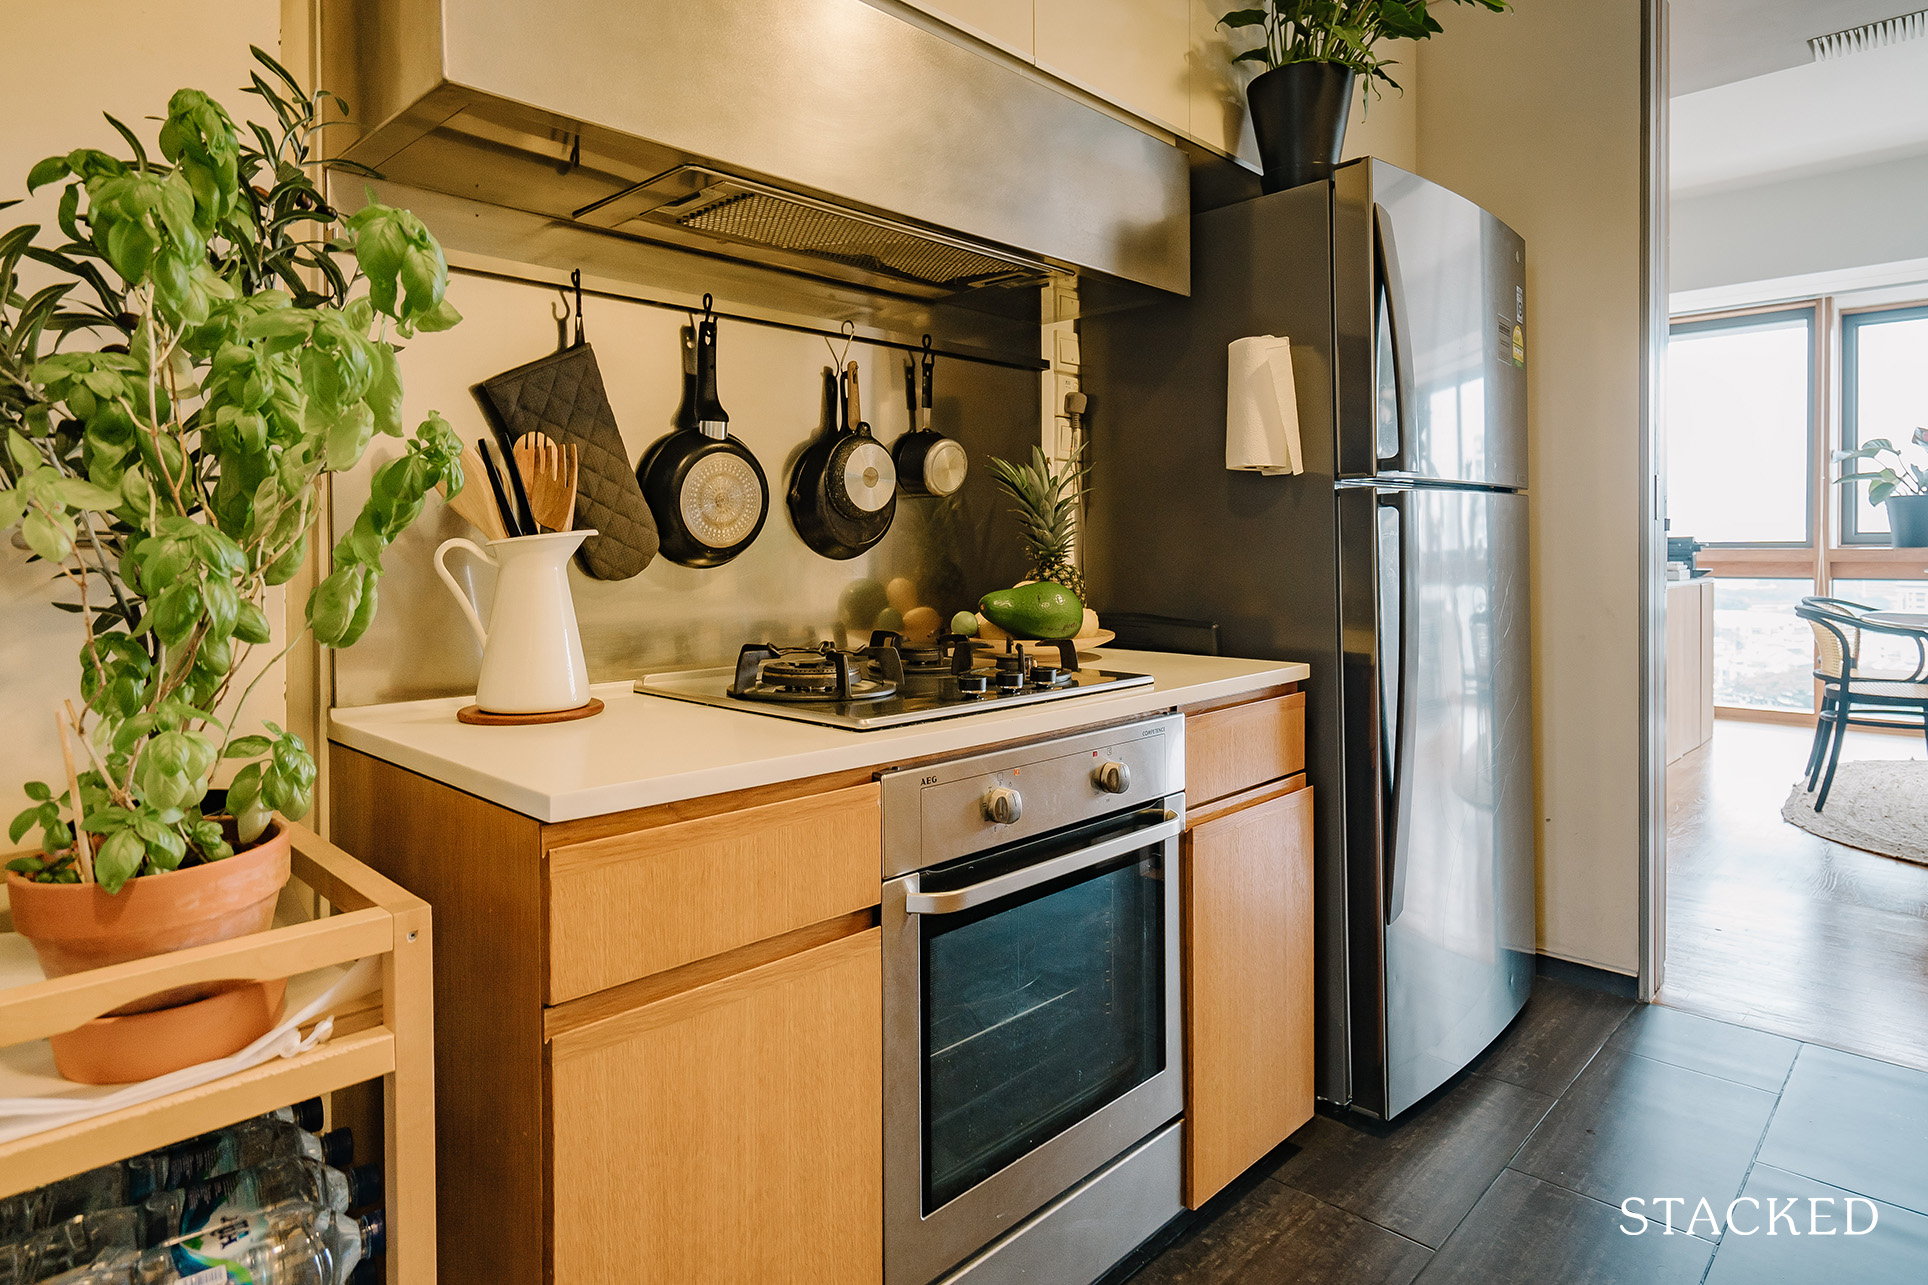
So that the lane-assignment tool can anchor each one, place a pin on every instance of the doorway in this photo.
(1784, 345)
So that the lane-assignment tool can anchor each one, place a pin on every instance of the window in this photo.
(1763, 652)
(1883, 394)
(1740, 411)
(1886, 651)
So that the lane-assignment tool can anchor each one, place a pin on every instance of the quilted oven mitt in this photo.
(562, 396)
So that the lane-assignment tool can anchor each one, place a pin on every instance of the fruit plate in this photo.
(1046, 650)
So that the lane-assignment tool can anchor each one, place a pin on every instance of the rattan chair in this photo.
(1852, 695)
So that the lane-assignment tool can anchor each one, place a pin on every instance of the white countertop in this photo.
(643, 750)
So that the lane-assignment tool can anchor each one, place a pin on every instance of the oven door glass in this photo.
(1039, 1008)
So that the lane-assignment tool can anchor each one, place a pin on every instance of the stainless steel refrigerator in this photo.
(1396, 564)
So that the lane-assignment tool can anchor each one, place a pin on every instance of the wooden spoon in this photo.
(472, 503)
(549, 474)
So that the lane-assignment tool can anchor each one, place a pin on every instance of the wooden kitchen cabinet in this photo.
(1237, 747)
(1248, 985)
(659, 1051)
(729, 1132)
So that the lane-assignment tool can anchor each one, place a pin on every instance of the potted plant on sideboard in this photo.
(1901, 486)
(1313, 51)
(213, 342)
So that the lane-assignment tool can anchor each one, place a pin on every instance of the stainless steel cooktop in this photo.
(887, 684)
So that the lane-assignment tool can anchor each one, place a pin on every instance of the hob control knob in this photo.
(1112, 777)
(1003, 805)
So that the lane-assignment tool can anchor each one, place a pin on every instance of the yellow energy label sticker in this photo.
(1519, 346)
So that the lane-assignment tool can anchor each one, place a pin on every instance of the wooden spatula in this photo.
(549, 475)
(473, 503)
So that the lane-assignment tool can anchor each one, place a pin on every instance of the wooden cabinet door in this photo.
(1248, 987)
(728, 1133)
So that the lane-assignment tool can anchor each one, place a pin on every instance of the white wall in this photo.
(1851, 218)
(68, 63)
(1535, 114)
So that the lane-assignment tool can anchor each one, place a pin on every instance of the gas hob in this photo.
(887, 684)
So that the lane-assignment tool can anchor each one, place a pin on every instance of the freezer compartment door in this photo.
(1448, 367)
(1441, 843)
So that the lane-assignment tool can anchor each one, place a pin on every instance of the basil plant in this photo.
(214, 342)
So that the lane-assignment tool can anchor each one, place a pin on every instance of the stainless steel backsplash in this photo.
(772, 382)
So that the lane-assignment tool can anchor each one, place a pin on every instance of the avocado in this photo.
(1042, 609)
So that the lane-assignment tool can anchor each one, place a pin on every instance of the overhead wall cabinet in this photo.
(1165, 61)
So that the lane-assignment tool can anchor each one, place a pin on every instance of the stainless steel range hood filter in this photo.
(742, 213)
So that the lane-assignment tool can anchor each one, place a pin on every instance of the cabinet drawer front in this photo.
(1248, 984)
(1240, 746)
(634, 904)
(728, 1134)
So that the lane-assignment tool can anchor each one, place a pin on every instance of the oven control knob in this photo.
(1003, 805)
(1112, 777)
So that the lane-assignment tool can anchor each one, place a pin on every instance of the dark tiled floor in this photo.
(1516, 1170)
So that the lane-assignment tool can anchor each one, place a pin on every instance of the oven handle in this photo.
(977, 894)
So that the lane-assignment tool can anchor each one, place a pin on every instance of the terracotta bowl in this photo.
(75, 927)
(140, 1046)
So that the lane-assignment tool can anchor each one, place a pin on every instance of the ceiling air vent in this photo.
(764, 223)
(1873, 35)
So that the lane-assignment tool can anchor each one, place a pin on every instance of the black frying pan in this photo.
(843, 490)
(704, 487)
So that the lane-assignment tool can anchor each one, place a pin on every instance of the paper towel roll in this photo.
(1261, 407)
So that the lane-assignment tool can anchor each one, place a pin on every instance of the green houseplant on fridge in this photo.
(211, 342)
(1313, 51)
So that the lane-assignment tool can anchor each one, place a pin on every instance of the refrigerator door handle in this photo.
(1390, 309)
(1394, 514)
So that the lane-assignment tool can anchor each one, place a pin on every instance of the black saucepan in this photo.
(705, 488)
(928, 463)
(843, 490)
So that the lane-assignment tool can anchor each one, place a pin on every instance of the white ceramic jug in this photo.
(531, 650)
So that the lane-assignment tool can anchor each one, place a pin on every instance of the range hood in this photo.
(819, 138)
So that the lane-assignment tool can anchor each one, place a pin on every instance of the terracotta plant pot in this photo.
(78, 926)
(140, 1046)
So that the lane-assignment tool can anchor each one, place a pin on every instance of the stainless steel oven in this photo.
(1032, 1033)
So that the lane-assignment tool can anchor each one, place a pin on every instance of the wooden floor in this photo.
(1771, 927)
(1514, 1171)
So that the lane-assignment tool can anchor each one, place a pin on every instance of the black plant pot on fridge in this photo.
(1299, 117)
(1908, 521)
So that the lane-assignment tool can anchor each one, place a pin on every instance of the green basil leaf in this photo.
(119, 857)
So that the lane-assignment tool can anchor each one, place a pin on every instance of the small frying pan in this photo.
(928, 463)
(704, 487)
(843, 490)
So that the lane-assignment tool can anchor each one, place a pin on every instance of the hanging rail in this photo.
(954, 354)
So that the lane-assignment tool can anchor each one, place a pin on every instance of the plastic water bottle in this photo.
(125, 1182)
(292, 1243)
(242, 1146)
(183, 1211)
(70, 1243)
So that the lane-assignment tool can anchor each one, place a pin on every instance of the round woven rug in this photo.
(1878, 805)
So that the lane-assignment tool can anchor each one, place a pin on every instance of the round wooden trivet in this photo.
(482, 718)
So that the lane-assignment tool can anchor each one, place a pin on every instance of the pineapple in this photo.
(1049, 498)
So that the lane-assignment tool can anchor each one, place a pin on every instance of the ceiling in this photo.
(1751, 106)
(1717, 42)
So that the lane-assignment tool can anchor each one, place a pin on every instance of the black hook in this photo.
(575, 279)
